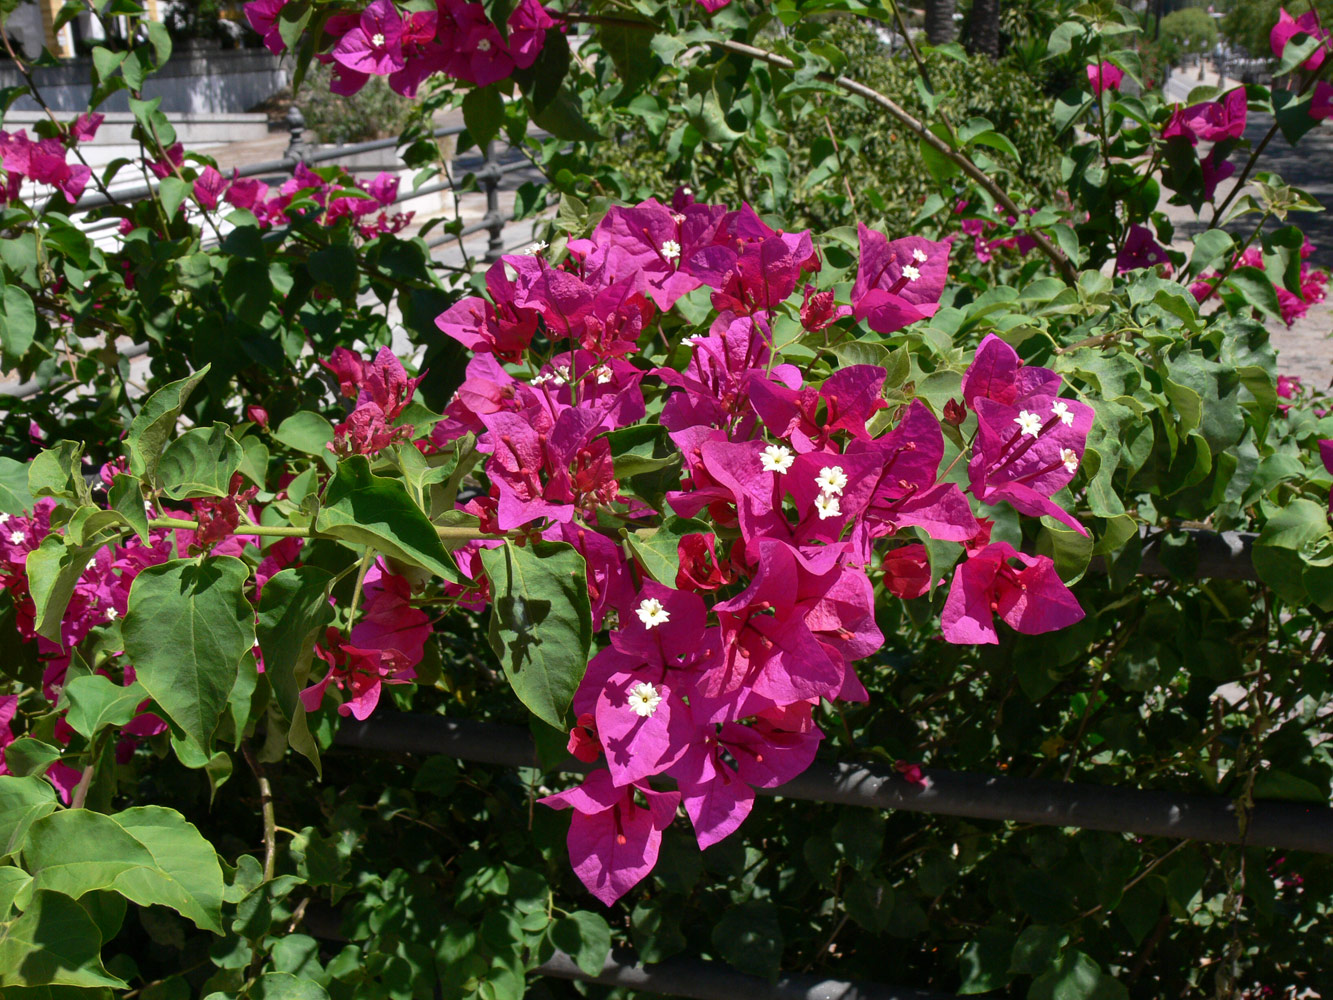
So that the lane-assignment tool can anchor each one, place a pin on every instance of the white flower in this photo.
(1152, 256)
(559, 376)
(111, 614)
(644, 699)
(918, 256)
(377, 40)
(4, 518)
(777, 458)
(535, 249)
(670, 249)
(1029, 423)
(910, 272)
(651, 613)
(484, 45)
(1061, 409)
(17, 537)
(677, 218)
(827, 506)
(831, 480)
(603, 374)
(689, 341)
(1070, 459)
(541, 379)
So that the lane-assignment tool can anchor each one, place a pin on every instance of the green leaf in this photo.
(106, 62)
(30, 757)
(293, 612)
(285, 986)
(1292, 527)
(364, 509)
(1256, 289)
(53, 942)
(749, 937)
(54, 567)
(23, 801)
(630, 48)
(160, 39)
(585, 937)
(172, 191)
(95, 702)
(187, 627)
(1209, 248)
(563, 118)
(200, 463)
(126, 498)
(984, 962)
(58, 472)
(658, 549)
(483, 113)
(307, 432)
(1037, 949)
(336, 266)
(15, 498)
(541, 623)
(149, 854)
(18, 322)
(155, 422)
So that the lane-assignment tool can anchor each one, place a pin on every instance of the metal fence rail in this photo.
(1286, 825)
(702, 980)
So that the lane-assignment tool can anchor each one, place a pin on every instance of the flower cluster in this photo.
(45, 161)
(382, 390)
(383, 645)
(332, 190)
(985, 248)
(1217, 124)
(712, 677)
(100, 598)
(1294, 305)
(457, 38)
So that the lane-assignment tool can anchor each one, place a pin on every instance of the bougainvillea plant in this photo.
(695, 493)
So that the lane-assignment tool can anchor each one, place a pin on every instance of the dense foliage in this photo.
(692, 492)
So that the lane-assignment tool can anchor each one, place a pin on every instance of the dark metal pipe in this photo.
(702, 980)
(1286, 825)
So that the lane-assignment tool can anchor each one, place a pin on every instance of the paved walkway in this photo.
(1304, 349)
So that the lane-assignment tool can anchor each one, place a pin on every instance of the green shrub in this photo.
(834, 160)
(374, 112)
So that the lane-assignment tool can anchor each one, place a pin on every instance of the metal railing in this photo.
(1286, 825)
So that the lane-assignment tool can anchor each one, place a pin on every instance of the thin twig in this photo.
(1066, 267)
(266, 807)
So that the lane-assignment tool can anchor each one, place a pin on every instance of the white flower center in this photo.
(1152, 256)
(1028, 423)
(484, 45)
(777, 458)
(918, 256)
(1061, 409)
(17, 537)
(377, 40)
(603, 374)
(651, 613)
(1070, 459)
(910, 272)
(827, 506)
(644, 699)
(677, 218)
(831, 480)
(670, 250)
(111, 614)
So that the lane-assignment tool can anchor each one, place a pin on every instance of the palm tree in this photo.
(983, 30)
(939, 21)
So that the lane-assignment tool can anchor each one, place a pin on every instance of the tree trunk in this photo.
(983, 31)
(939, 21)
